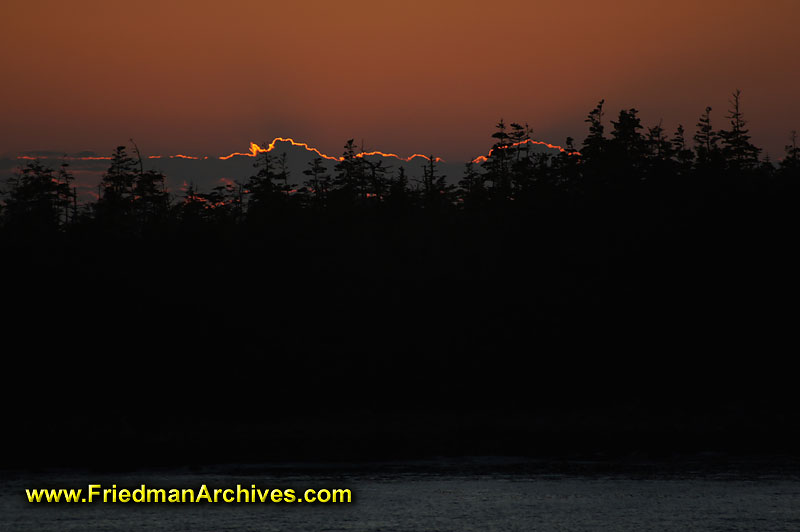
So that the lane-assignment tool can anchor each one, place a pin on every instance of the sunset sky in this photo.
(206, 78)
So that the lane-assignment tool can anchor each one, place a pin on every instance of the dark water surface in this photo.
(470, 495)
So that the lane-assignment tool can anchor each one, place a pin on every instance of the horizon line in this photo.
(255, 150)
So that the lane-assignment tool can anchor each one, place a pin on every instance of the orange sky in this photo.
(206, 78)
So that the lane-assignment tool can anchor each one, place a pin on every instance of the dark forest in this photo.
(634, 293)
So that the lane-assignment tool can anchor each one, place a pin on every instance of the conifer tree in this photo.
(349, 174)
(738, 151)
(115, 204)
(658, 151)
(376, 179)
(283, 173)
(192, 210)
(67, 195)
(594, 145)
(790, 165)
(567, 165)
(626, 149)
(264, 194)
(151, 197)
(435, 189)
(318, 182)
(706, 141)
(399, 197)
(34, 199)
(472, 190)
(627, 140)
(658, 146)
(497, 167)
(519, 137)
(682, 154)
(521, 164)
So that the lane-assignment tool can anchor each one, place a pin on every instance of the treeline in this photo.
(629, 160)
(638, 287)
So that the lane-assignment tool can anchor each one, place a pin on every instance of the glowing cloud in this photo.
(255, 149)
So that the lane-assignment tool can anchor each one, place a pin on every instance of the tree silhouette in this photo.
(521, 165)
(349, 179)
(435, 190)
(497, 167)
(472, 190)
(283, 173)
(706, 142)
(319, 182)
(151, 200)
(738, 151)
(594, 146)
(399, 200)
(114, 207)
(567, 166)
(627, 149)
(684, 156)
(790, 165)
(377, 185)
(35, 199)
(627, 141)
(607, 169)
(194, 208)
(263, 192)
(68, 194)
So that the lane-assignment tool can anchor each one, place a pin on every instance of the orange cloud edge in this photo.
(255, 149)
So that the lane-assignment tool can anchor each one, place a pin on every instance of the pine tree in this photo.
(705, 140)
(594, 146)
(223, 204)
(627, 140)
(151, 197)
(264, 194)
(34, 199)
(399, 196)
(376, 179)
(283, 174)
(498, 164)
(658, 151)
(435, 189)
(115, 205)
(67, 195)
(521, 164)
(518, 138)
(658, 147)
(472, 189)
(790, 165)
(738, 151)
(318, 182)
(682, 154)
(626, 149)
(567, 165)
(349, 177)
(193, 208)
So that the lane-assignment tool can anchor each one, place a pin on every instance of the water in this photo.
(411, 498)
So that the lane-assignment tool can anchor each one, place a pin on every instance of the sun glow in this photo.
(484, 158)
(255, 150)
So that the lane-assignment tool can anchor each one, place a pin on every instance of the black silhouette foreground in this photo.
(637, 296)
